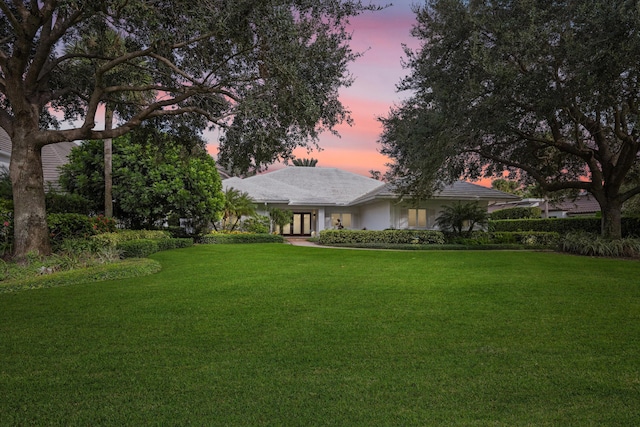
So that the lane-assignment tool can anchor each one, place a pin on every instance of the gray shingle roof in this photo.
(330, 186)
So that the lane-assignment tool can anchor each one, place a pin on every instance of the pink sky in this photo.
(380, 36)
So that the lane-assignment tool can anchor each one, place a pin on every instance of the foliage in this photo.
(590, 244)
(266, 74)
(125, 269)
(256, 224)
(416, 237)
(68, 203)
(311, 163)
(174, 243)
(630, 226)
(6, 226)
(70, 225)
(140, 248)
(154, 176)
(516, 213)
(460, 215)
(221, 238)
(543, 91)
(280, 218)
(236, 205)
(112, 239)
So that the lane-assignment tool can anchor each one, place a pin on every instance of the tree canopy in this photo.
(265, 73)
(547, 92)
(154, 177)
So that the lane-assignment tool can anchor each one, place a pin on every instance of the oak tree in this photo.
(265, 73)
(546, 92)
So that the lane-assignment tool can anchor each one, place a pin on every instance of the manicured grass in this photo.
(279, 335)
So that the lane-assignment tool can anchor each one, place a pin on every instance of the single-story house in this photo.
(322, 198)
(53, 156)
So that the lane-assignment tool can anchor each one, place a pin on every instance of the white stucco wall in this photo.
(376, 216)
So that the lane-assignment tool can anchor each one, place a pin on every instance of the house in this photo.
(320, 198)
(53, 156)
(582, 205)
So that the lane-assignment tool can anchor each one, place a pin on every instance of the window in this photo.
(344, 219)
(421, 218)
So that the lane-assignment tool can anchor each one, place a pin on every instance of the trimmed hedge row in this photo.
(421, 237)
(142, 248)
(523, 238)
(516, 213)
(212, 239)
(630, 226)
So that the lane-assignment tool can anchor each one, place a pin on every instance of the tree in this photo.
(154, 177)
(266, 73)
(458, 216)
(236, 205)
(310, 163)
(375, 174)
(546, 91)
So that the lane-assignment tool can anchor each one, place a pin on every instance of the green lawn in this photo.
(280, 335)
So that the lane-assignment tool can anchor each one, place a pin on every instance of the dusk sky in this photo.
(380, 36)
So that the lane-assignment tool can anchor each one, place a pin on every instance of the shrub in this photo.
(140, 248)
(67, 203)
(114, 238)
(176, 243)
(422, 237)
(516, 213)
(103, 224)
(6, 226)
(582, 243)
(69, 226)
(257, 224)
(630, 225)
(219, 238)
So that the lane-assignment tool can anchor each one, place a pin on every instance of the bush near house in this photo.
(221, 238)
(71, 225)
(423, 237)
(142, 243)
(630, 226)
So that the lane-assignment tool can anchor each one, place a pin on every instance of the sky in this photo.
(380, 35)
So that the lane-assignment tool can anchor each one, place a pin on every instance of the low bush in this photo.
(67, 203)
(416, 237)
(220, 238)
(175, 243)
(257, 224)
(140, 248)
(72, 226)
(590, 244)
(125, 235)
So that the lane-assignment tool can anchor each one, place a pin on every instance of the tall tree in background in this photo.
(547, 91)
(267, 73)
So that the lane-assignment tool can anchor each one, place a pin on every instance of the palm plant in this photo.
(310, 163)
(458, 216)
(236, 205)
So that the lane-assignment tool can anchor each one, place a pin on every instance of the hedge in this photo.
(630, 226)
(239, 238)
(422, 237)
(516, 213)
(113, 239)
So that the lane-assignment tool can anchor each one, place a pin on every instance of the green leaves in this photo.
(545, 91)
(151, 181)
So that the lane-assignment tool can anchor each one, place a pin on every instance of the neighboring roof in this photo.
(330, 186)
(53, 156)
(582, 205)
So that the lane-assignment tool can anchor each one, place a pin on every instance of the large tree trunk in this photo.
(108, 165)
(31, 233)
(611, 224)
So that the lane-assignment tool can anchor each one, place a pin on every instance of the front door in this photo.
(301, 225)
